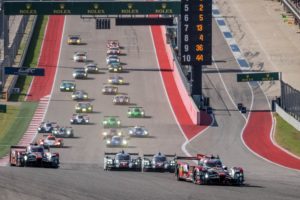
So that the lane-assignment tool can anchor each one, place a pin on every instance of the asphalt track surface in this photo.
(81, 175)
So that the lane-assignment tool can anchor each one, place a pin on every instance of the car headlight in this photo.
(103, 90)
(124, 142)
(118, 122)
(25, 157)
(78, 41)
(105, 122)
(130, 132)
(87, 121)
(61, 87)
(142, 113)
(119, 133)
(90, 108)
(72, 87)
(129, 113)
(146, 132)
(104, 133)
(85, 96)
(73, 96)
(107, 141)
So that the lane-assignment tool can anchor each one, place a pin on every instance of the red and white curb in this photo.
(31, 132)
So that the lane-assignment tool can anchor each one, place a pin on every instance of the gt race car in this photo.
(74, 39)
(80, 95)
(84, 107)
(109, 89)
(159, 162)
(115, 67)
(122, 161)
(80, 73)
(112, 58)
(116, 80)
(79, 119)
(67, 86)
(80, 56)
(135, 112)
(91, 68)
(111, 122)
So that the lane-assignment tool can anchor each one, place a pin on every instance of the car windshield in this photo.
(112, 119)
(138, 129)
(37, 149)
(74, 37)
(68, 84)
(123, 157)
(215, 163)
(136, 110)
(116, 139)
(48, 124)
(160, 159)
(51, 138)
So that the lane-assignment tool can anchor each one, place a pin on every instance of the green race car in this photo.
(84, 107)
(67, 86)
(135, 112)
(111, 122)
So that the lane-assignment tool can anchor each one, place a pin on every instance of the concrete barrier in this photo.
(189, 103)
(287, 117)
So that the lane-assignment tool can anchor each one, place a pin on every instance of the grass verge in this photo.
(32, 57)
(287, 136)
(14, 123)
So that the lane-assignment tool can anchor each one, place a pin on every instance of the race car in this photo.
(110, 133)
(67, 86)
(122, 161)
(80, 73)
(135, 112)
(63, 132)
(116, 141)
(138, 131)
(112, 59)
(79, 119)
(113, 43)
(47, 127)
(51, 141)
(91, 68)
(74, 39)
(109, 89)
(111, 122)
(121, 99)
(159, 162)
(84, 107)
(116, 80)
(80, 95)
(80, 56)
(209, 170)
(113, 51)
(115, 67)
(33, 155)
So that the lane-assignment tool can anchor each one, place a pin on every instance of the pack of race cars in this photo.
(201, 169)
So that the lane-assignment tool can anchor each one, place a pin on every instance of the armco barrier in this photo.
(287, 117)
(189, 103)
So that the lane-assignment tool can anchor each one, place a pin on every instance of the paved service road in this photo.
(81, 175)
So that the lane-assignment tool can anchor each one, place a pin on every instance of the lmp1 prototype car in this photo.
(138, 131)
(80, 56)
(116, 141)
(51, 141)
(159, 162)
(116, 80)
(84, 107)
(109, 89)
(67, 86)
(80, 95)
(122, 161)
(113, 44)
(112, 132)
(79, 119)
(80, 73)
(115, 67)
(63, 132)
(111, 122)
(91, 68)
(136, 112)
(121, 99)
(209, 170)
(74, 39)
(47, 127)
(33, 155)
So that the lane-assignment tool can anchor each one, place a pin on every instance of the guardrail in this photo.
(293, 8)
(287, 117)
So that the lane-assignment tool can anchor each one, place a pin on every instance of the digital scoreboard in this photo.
(196, 32)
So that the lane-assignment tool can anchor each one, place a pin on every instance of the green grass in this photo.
(287, 136)
(14, 123)
(31, 59)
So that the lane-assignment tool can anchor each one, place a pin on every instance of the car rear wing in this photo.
(68, 81)
(74, 35)
(167, 155)
(18, 147)
(114, 153)
(111, 116)
(135, 107)
(197, 157)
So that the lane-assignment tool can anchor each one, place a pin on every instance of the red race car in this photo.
(209, 170)
(51, 141)
(113, 44)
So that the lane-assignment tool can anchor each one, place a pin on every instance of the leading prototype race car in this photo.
(138, 131)
(63, 132)
(47, 127)
(84, 107)
(91, 68)
(79, 119)
(111, 132)
(33, 155)
(111, 122)
(80, 73)
(209, 170)
(121, 99)
(112, 44)
(122, 161)
(116, 141)
(67, 86)
(115, 67)
(109, 89)
(74, 39)
(116, 80)
(80, 95)
(159, 162)
(135, 112)
(80, 56)
(51, 141)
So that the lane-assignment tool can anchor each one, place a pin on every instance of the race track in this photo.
(81, 175)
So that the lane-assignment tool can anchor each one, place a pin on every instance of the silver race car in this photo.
(115, 67)
(47, 127)
(112, 58)
(63, 132)
(80, 73)
(80, 95)
(116, 80)
(109, 89)
(159, 162)
(121, 99)
(80, 56)
(91, 68)
(138, 131)
(116, 141)
(79, 119)
(111, 132)
(122, 161)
